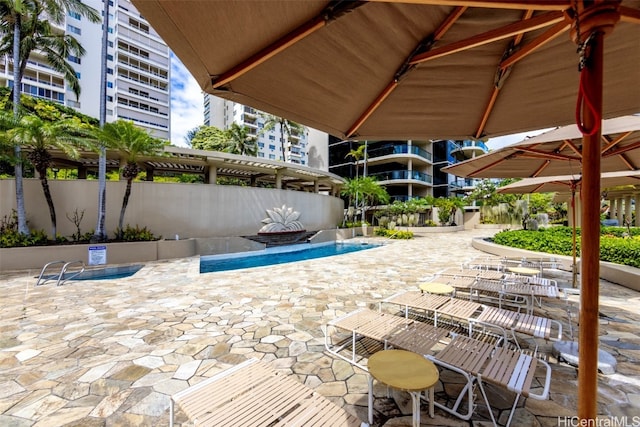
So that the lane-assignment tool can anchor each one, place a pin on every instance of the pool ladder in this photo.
(42, 279)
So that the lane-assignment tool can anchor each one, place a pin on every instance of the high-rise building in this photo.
(404, 168)
(138, 69)
(407, 168)
(307, 148)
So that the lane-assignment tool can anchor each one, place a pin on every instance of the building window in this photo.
(74, 59)
(74, 30)
(109, 98)
(272, 156)
(272, 137)
(260, 144)
(110, 57)
(109, 70)
(272, 147)
(110, 84)
(78, 75)
(260, 154)
(74, 15)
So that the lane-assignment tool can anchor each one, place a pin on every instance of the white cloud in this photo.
(187, 110)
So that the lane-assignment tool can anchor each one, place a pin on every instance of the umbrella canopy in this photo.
(420, 69)
(564, 183)
(427, 69)
(558, 152)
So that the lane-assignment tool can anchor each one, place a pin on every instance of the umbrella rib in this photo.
(501, 76)
(529, 48)
(568, 143)
(406, 67)
(547, 155)
(541, 168)
(628, 14)
(614, 142)
(328, 14)
(509, 30)
(494, 4)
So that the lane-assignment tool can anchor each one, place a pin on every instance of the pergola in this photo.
(254, 171)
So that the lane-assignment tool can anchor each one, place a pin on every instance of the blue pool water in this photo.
(278, 255)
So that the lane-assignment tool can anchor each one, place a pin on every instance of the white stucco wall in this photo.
(189, 210)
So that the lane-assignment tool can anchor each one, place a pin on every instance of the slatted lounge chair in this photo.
(465, 356)
(514, 371)
(516, 322)
(388, 329)
(254, 394)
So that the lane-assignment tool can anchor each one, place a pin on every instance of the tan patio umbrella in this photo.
(571, 183)
(424, 69)
(558, 152)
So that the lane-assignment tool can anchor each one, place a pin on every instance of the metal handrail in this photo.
(60, 279)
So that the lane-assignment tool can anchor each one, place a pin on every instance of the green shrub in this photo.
(136, 234)
(430, 223)
(615, 244)
(394, 234)
(10, 237)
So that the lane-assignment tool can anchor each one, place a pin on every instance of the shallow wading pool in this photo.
(278, 255)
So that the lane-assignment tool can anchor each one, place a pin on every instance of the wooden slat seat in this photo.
(465, 356)
(418, 337)
(514, 371)
(254, 394)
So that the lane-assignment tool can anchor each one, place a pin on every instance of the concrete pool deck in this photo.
(110, 353)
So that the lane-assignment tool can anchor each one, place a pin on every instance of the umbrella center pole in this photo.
(591, 22)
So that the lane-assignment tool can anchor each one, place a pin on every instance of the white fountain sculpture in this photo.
(281, 220)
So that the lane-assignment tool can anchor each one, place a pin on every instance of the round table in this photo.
(436, 288)
(527, 271)
(405, 371)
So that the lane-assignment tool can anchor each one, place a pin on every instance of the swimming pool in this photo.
(278, 255)
(100, 273)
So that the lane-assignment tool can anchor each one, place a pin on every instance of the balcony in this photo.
(396, 149)
(405, 175)
(464, 150)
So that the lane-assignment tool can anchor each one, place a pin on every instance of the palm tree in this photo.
(287, 127)
(25, 26)
(356, 155)
(240, 142)
(132, 142)
(39, 137)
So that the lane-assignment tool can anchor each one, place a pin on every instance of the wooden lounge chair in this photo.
(254, 394)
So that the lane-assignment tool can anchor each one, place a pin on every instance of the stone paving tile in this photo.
(110, 353)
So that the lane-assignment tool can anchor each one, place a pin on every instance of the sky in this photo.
(187, 110)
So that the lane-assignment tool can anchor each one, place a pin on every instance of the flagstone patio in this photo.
(111, 352)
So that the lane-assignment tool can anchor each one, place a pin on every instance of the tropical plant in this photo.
(363, 192)
(39, 136)
(239, 141)
(25, 26)
(209, 138)
(132, 142)
(356, 155)
(447, 208)
(287, 127)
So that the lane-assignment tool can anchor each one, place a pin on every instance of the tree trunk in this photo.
(125, 202)
(47, 195)
(22, 216)
(100, 233)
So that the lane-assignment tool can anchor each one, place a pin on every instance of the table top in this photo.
(436, 288)
(403, 370)
(524, 270)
